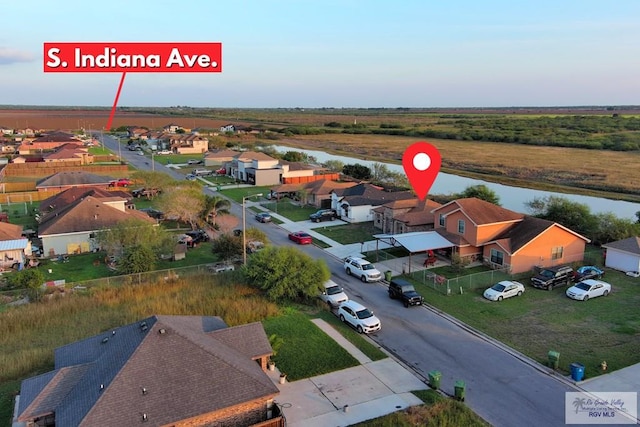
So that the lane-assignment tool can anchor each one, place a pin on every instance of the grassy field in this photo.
(291, 211)
(349, 233)
(552, 168)
(602, 329)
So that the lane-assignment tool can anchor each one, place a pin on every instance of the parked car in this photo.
(323, 215)
(221, 171)
(404, 291)
(362, 269)
(263, 217)
(165, 152)
(633, 273)
(589, 288)
(195, 162)
(504, 289)
(548, 278)
(359, 317)
(145, 192)
(190, 177)
(201, 172)
(198, 235)
(333, 294)
(587, 272)
(301, 238)
(153, 213)
(122, 182)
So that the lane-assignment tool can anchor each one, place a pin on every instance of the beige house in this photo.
(405, 216)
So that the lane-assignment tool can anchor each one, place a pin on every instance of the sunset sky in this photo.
(342, 53)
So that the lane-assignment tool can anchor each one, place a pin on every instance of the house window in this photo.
(497, 257)
(557, 252)
(461, 226)
(441, 220)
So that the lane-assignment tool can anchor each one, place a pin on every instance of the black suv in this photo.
(403, 290)
(323, 215)
(548, 278)
(198, 235)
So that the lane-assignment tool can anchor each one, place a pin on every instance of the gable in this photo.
(630, 245)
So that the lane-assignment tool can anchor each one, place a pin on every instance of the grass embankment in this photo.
(601, 329)
(611, 174)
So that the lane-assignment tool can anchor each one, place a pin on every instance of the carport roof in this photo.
(418, 241)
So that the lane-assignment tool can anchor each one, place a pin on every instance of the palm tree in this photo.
(214, 206)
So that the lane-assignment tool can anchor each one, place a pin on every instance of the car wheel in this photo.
(519, 293)
(348, 271)
(342, 318)
(390, 295)
(363, 278)
(586, 298)
(406, 304)
(330, 306)
(500, 298)
(605, 293)
(360, 330)
(550, 287)
(333, 218)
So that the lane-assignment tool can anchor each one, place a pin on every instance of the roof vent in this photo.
(113, 332)
(144, 390)
(101, 387)
(162, 331)
(144, 417)
(105, 340)
(144, 327)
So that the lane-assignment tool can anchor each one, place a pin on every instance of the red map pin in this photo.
(421, 162)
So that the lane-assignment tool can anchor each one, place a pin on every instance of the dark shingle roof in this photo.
(73, 194)
(524, 232)
(368, 194)
(184, 369)
(482, 213)
(62, 179)
(631, 245)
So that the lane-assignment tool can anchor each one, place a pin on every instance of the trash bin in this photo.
(387, 275)
(577, 371)
(459, 390)
(434, 379)
(554, 359)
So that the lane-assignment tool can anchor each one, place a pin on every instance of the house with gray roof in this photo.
(357, 203)
(64, 180)
(160, 371)
(623, 255)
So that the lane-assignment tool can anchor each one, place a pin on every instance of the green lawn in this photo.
(236, 194)
(291, 211)
(601, 329)
(349, 233)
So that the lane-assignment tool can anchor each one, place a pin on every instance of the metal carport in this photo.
(417, 241)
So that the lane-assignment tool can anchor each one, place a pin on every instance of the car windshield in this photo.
(333, 290)
(583, 286)
(498, 287)
(364, 314)
(408, 288)
(368, 267)
(547, 273)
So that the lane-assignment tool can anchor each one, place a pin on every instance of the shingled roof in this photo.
(631, 245)
(10, 231)
(67, 179)
(73, 194)
(86, 214)
(481, 213)
(368, 194)
(170, 368)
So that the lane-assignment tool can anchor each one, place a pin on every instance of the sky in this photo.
(338, 53)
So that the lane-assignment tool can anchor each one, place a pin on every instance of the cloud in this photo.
(11, 56)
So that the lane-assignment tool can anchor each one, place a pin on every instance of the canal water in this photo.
(514, 198)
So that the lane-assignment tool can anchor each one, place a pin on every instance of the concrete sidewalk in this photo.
(349, 396)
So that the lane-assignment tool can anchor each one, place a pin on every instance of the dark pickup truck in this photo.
(548, 278)
(404, 291)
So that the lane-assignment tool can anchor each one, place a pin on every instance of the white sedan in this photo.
(589, 288)
(504, 289)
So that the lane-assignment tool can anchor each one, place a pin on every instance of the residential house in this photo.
(501, 238)
(6, 131)
(73, 194)
(48, 142)
(134, 132)
(255, 168)
(356, 203)
(72, 228)
(405, 216)
(162, 371)
(69, 153)
(316, 193)
(64, 180)
(172, 128)
(187, 143)
(623, 255)
(228, 128)
(220, 158)
(14, 247)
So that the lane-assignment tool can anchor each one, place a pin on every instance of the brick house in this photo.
(405, 216)
(162, 371)
(501, 238)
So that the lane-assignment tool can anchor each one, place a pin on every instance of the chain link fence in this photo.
(459, 284)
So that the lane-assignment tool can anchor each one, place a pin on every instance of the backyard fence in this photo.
(459, 284)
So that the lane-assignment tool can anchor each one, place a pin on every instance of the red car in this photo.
(301, 238)
(122, 182)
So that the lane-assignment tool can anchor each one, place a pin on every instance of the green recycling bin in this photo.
(434, 379)
(387, 275)
(554, 359)
(459, 390)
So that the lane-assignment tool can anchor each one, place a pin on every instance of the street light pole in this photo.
(244, 228)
